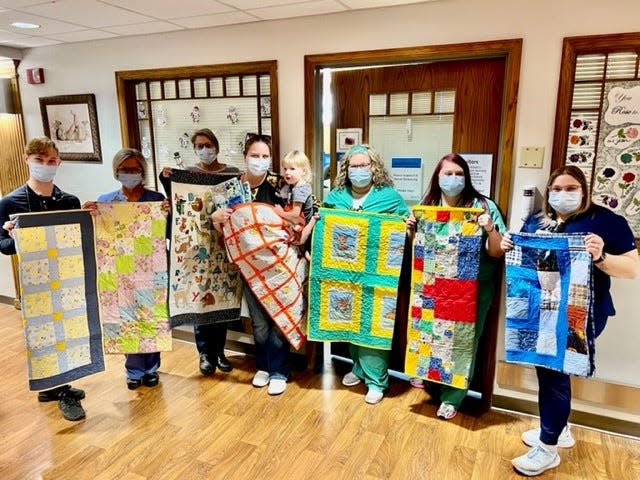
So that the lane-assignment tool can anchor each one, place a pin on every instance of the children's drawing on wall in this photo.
(232, 115)
(265, 106)
(195, 114)
(161, 115)
(184, 140)
(178, 159)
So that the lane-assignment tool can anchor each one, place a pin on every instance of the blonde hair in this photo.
(298, 159)
(124, 153)
(379, 173)
(40, 145)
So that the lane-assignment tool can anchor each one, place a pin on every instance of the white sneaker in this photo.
(565, 440)
(260, 379)
(373, 396)
(536, 461)
(277, 386)
(350, 380)
(446, 411)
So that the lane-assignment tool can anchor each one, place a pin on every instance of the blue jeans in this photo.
(272, 348)
(554, 396)
(210, 339)
(140, 364)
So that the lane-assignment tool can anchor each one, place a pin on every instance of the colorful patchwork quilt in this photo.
(204, 286)
(549, 303)
(257, 241)
(131, 253)
(353, 283)
(59, 302)
(444, 294)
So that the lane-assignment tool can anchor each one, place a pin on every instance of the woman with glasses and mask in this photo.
(272, 348)
(40, 194)
(210, 338)
(363, 183)
(567, 208)
(129, 168)
(451, 187)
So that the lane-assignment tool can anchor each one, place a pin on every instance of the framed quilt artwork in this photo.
(59, 302)
(443, 297)
(258, 242)
(204, 286)
(131, 258)
(549, 303)
(353, 282)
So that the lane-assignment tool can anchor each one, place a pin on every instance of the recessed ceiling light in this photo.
(25, 25)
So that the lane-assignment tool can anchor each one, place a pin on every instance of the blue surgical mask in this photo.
(130, 180)
(451, 185)
(42, 173)
(360, 177)
(207, 155)
(258, 166)
(565, 202)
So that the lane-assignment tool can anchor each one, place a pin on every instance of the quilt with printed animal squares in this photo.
(549, 303)
(131, 253)
(204, 286)
(59, 302)
(353, 283)
(444, 294)
(258, 241)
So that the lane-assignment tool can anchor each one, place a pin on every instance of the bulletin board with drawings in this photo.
(598, 119)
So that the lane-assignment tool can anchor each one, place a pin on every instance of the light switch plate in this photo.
(531, 157)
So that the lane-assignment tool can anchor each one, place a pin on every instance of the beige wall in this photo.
(89, 68)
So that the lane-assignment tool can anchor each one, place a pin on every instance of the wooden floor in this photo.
(191, 427)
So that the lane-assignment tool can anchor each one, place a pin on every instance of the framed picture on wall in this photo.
(72, 123)
(347, 138)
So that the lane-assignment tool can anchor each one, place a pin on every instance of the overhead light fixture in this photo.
(25, 25)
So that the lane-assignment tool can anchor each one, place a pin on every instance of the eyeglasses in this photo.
(129, 170)
(257, 137)
(568, 188)
(364, 165)
(200, 146)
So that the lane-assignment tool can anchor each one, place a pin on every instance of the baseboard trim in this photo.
(8, 300)
(601, 422)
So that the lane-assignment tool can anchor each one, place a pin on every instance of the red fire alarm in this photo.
(35, 75)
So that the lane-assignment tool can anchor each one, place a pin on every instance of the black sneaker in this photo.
(55, 393)
(71, 408)
(133, 383)
(150, 379)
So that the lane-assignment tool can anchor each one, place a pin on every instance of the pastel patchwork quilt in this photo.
(131, 252)
(353, 283)
(258, 242)
(59, 302)
(549, 317)
(444, 294)
(204, 286)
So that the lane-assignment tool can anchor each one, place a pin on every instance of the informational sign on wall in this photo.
(407, 177)
(480, 167)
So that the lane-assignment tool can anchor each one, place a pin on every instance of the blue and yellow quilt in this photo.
(353, 282)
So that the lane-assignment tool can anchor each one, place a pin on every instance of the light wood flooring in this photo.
(191, 427)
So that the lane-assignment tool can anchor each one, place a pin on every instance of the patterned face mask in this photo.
(207, 155)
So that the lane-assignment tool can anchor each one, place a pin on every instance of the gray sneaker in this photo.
(71, 408)
(532, 438)
(536, 461)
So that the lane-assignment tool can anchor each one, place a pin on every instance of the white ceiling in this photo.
(66, 21)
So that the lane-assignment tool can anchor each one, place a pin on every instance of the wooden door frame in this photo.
(509, 49)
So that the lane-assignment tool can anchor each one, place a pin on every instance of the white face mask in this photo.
(258, 166)
(565, 202)
(207, 155)
(130, 180)
(42, 173)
